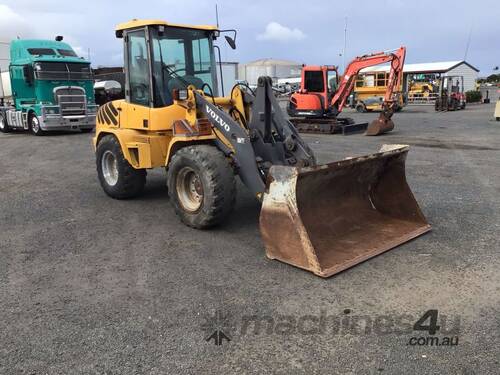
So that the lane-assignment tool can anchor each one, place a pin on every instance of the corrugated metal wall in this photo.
(229, 74)
(469, 74)
(251, 73)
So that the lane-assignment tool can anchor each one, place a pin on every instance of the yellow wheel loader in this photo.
(323, 218)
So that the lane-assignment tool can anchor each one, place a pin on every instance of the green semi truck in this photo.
(47, 88)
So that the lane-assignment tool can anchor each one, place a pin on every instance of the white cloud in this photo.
(13, 25)
(277, 32)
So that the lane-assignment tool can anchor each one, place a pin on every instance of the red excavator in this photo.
(316, 106)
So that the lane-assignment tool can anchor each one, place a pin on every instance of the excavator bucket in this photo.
(328, 218)
(379, 126)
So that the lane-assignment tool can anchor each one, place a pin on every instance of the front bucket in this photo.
(328, 218)
(379, 126)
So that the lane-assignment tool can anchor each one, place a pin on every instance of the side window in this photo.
(381, 79)
(138, 68)
(202, 61)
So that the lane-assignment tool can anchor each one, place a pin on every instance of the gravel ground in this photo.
(91, 285)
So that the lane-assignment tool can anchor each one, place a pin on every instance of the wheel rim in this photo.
(2, 123)
(189, 189)
(109, 168)
(35, 125)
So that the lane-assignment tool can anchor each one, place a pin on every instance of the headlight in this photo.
(52, 111)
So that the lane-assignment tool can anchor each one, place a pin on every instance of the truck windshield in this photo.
(62, 71)
(67, 52)
(181, 57)
(41, 51)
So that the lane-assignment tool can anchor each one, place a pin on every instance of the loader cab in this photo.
(161, 57)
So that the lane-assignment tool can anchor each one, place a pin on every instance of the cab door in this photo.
(138, 91)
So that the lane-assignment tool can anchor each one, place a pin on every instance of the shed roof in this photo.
(438, 67)
(270, 61)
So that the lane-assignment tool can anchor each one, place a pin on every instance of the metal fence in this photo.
(421, 98)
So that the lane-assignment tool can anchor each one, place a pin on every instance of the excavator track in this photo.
(344, 126)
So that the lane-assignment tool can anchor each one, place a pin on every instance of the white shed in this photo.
(229, 76)
(269, 67)
(445, 68)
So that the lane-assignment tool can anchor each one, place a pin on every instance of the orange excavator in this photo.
(321, 98)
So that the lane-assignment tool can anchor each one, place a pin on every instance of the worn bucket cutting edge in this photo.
(379, 126)
(328, 218)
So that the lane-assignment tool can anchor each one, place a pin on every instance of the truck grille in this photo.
(72, 101)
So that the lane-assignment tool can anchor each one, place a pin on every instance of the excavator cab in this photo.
(323, 218)
(318, 85)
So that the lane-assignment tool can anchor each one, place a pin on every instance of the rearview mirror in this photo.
(230, 41)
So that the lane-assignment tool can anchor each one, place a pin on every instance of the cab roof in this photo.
(19, 51)
(141, 23)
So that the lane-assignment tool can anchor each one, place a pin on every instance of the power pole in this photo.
(217, 15)
(468, 44)
(345, 45)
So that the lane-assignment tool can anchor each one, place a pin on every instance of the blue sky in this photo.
(304, 31)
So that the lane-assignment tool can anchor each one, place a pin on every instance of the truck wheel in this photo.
(201, 185)
(360, 108)
(34, 124)
(117, 177)
(4, 127)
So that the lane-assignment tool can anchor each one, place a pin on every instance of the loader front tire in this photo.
(118, 178)
(201, 185)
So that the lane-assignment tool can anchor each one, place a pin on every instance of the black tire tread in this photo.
(220, 192)
(30, 118)
(132, 181)
(6, 128)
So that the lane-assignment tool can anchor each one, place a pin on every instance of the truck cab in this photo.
(48, 87)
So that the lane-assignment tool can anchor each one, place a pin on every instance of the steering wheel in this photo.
(170, 70)
(179, 70)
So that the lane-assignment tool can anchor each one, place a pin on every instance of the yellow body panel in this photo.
(143, 147)
(146, 134)
(373, 86)
(141, 23)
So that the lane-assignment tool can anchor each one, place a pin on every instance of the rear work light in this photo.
(179, 94)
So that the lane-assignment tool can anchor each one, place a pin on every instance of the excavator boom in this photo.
(316, 103)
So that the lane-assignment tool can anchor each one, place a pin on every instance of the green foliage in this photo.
(473, 96)
(492, 78)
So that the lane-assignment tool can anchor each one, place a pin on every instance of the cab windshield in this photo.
(181, 57)
(62, 71)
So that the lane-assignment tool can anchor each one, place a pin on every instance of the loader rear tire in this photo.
(201, 186)
(118, 178)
